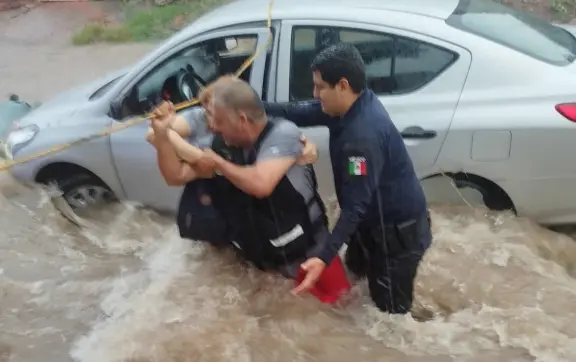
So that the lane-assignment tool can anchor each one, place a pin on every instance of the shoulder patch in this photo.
(357, 166)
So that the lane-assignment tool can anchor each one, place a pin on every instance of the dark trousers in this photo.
(204, 223)
(201, 221)
(389, 257)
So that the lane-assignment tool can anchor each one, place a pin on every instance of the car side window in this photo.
(394, 64)
(181, 76)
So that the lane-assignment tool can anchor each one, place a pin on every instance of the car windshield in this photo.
(515, 29)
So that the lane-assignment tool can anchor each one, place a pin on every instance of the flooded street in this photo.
(492, 288)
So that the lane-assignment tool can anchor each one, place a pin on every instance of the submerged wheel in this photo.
(81, 190)
(494, 197)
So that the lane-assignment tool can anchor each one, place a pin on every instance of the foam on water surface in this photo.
(492, 288)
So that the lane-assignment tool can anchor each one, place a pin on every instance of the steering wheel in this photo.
(189, 83)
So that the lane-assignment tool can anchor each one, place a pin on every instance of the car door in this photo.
(418, 78)
(134, 158)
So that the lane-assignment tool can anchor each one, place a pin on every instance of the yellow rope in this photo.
(138, 120)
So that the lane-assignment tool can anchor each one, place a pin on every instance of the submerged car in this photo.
(481, 93)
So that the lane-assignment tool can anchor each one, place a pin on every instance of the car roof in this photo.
(245, 11)
(434, 8)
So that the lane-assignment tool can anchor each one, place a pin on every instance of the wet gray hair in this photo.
(239, 97)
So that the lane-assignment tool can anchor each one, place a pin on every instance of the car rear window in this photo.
(515, 29)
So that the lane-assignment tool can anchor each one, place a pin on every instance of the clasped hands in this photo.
(161, 119)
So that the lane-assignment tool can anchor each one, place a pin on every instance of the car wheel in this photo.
(493, 196)
(82, 193)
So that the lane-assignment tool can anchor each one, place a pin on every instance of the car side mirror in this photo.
(126, 106)
(116, 109)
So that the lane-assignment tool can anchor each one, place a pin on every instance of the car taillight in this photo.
(568, 110)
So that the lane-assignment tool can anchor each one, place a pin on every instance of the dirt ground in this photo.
(38, 59)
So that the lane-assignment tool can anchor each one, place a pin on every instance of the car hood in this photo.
(67, 103)
(82, 92)
(47, 117)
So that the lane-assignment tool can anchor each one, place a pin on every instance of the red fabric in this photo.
(332, 284)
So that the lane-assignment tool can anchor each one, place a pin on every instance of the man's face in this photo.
(330, 97)
(231, 126)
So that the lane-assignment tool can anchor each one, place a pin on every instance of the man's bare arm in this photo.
(184, 150)
(277, 153)
(179, 125)
(258, 180)
(174, 171)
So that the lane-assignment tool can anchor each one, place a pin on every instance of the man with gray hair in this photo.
(269, 200)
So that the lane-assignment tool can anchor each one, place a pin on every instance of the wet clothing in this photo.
(198, 221)
(390, 260)
(293, 218)
(376, 186)
(280, 229)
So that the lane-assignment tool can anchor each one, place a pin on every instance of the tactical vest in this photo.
(270, 231)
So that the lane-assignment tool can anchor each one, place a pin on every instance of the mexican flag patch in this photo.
(357, 166)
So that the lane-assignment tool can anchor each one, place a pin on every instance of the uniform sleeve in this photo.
(283, 141)
(303, 114)
(363, 164)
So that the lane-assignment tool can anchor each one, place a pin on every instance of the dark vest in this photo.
(270, 231)
(197, 221)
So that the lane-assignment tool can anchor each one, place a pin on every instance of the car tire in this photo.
(83, 190)
(493, 196)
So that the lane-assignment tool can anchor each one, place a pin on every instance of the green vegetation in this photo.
(150, 23)
(145, 22)
(564, 10)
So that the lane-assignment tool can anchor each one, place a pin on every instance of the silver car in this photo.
(481, 93)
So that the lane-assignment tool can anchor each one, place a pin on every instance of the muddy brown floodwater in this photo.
(492, 287)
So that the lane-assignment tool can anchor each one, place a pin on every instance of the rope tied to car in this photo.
(138, 120)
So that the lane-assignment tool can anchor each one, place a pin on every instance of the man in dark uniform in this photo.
(384, 216)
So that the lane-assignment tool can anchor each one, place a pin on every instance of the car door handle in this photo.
(417, 132)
